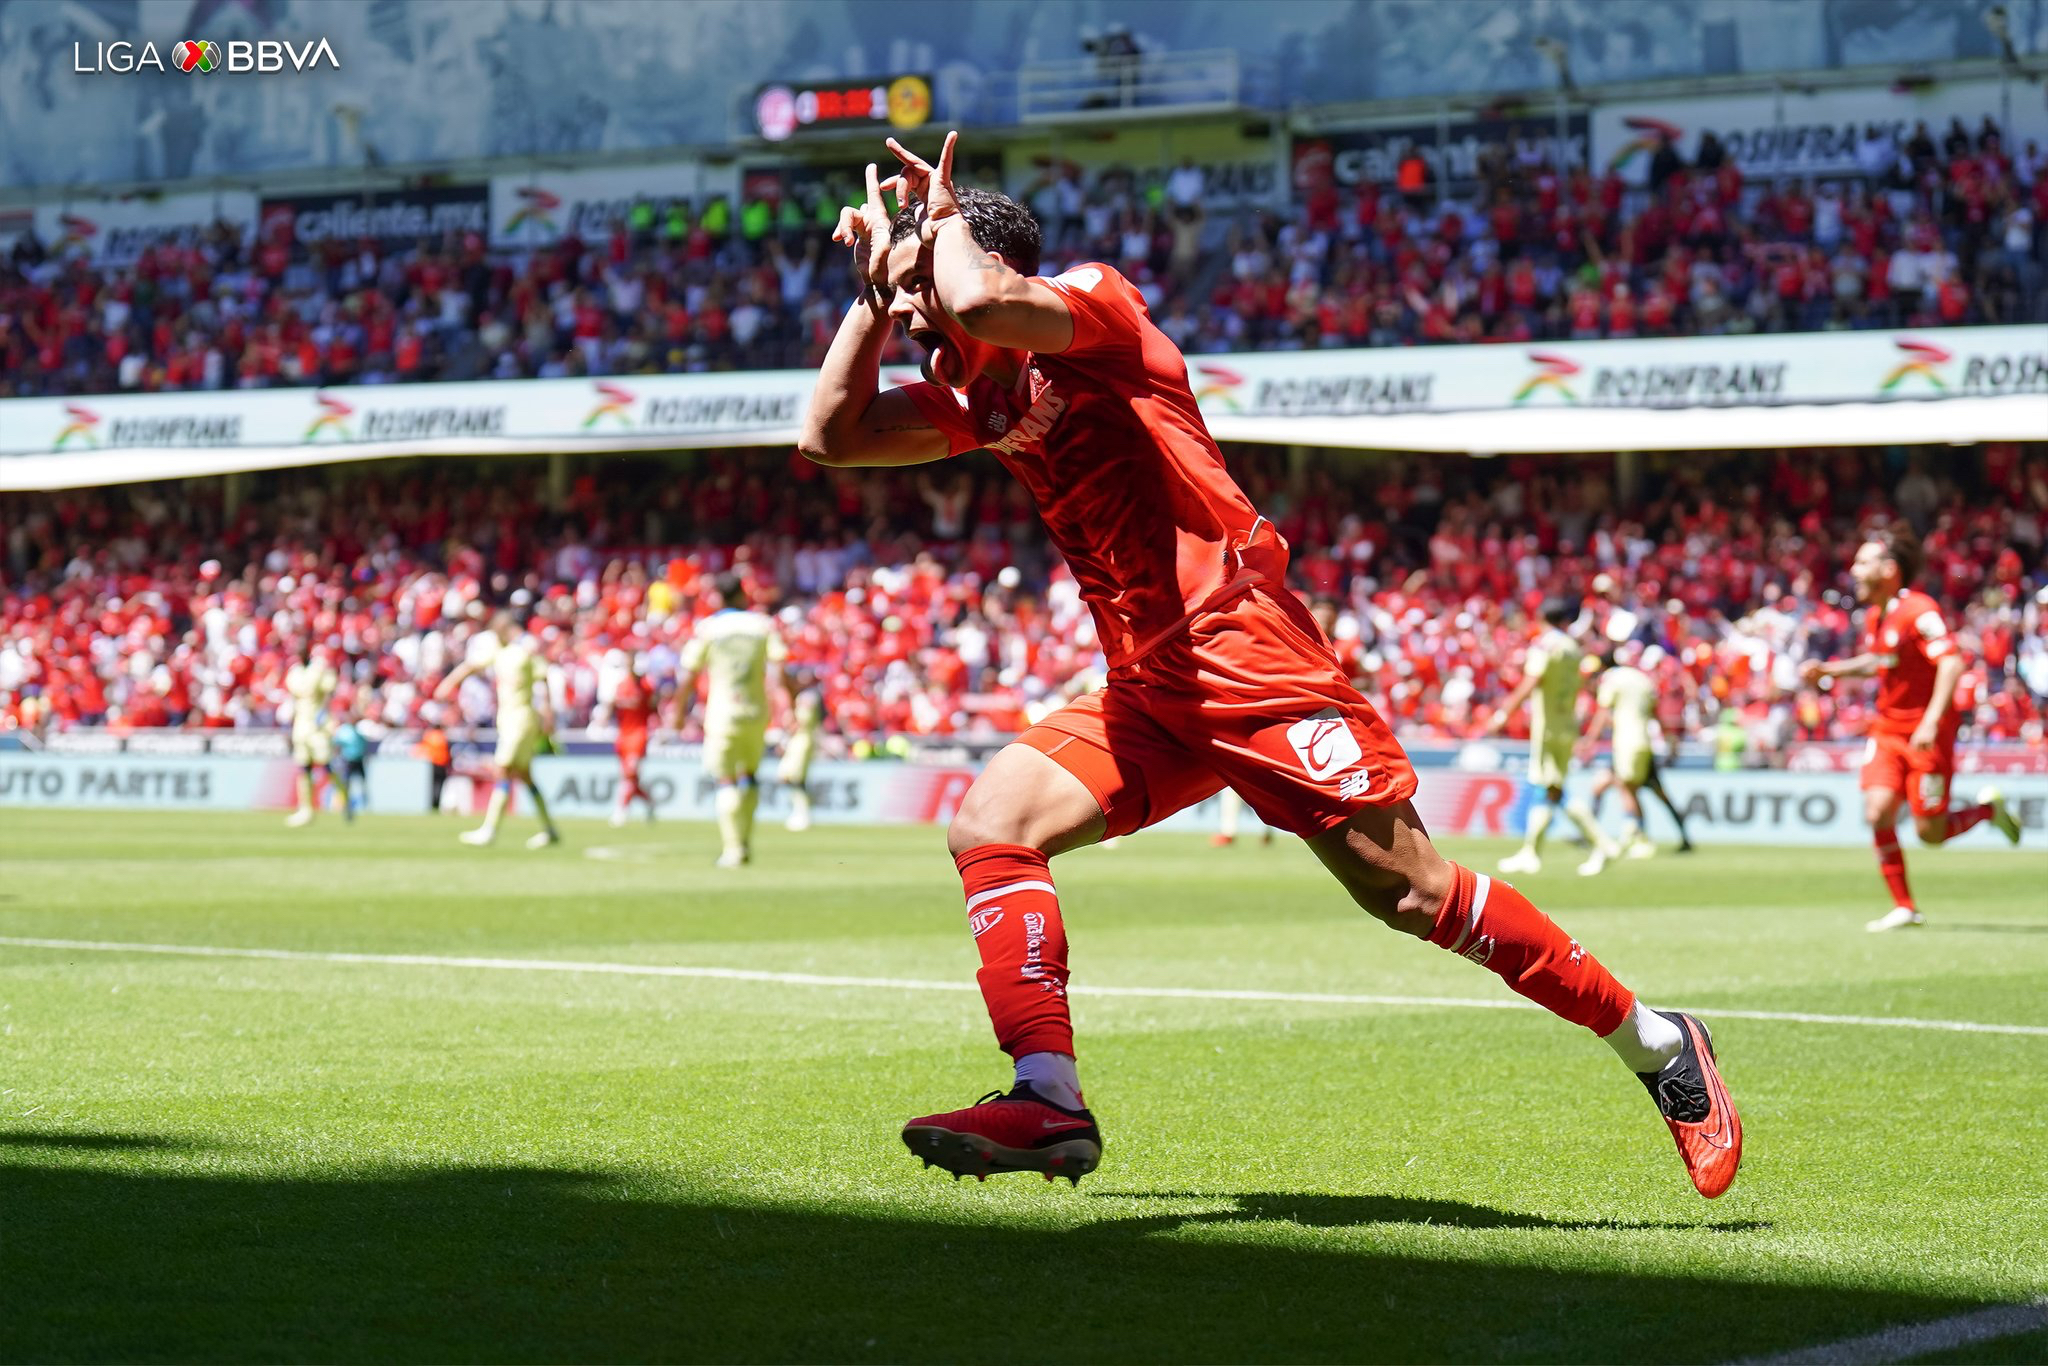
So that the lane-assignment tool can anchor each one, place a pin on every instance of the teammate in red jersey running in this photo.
(632, 709)
(1218, 674)
(1911, 756)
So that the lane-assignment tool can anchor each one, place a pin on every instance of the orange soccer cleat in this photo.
(1697, 1107)
(1018, 1132)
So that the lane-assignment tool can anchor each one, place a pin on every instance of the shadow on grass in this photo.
(1987, 928)
(93, 1142)
(1351, 1211)
(469, 1264)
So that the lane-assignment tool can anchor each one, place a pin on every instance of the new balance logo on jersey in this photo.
(998, 423)
(1355, 784)
(1045, 410)
(1325, 744)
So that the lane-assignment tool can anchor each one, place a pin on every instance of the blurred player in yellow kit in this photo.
(740, 654)
(516, 667)
(310, 683)
(1627, 697)
(1550, 683)
(807, 714)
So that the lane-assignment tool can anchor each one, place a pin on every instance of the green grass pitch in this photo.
(218, 1158)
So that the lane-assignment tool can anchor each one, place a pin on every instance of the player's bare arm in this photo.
(1510, 704)
(457, 676)
(991, 301)
(1597, 726)
(851, 419)
(1855, 666)
(1948, 671)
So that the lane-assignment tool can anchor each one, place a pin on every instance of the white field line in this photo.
(812, 979)
(1907, 1341)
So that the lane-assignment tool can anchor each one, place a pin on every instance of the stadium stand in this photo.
(1936, 231)
(930, 603)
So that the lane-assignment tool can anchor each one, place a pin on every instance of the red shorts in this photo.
(632, 748)
(1249, 695)
(1923, 775)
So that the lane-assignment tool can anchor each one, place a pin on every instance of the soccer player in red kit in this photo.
(632, 709)
(1218, 674)
(1911, 756)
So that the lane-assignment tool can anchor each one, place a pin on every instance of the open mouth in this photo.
(932, 342)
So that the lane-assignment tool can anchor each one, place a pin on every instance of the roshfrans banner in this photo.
(1794, 133)
(1956, 384)
(543, 206)
(116, 231)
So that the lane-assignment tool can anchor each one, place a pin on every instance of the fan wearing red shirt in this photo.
(1911, 757)
(632, 709)
(1217, 674)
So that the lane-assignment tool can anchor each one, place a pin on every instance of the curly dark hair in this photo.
(1902, 546)
(997, 222)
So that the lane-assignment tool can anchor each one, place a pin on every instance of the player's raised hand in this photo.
(865, 228)
(931, 186)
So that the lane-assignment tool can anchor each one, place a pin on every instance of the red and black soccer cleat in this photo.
(1018, 1132)
(1697, 1108)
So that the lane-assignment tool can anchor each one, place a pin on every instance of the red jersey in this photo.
(1907, 635)
(632, 707)
(1107, 438)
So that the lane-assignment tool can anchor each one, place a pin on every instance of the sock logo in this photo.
(985, 919)
(1578, 954)
(1481, 951)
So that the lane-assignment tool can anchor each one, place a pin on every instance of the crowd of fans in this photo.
(1933, 231)
(931, 605)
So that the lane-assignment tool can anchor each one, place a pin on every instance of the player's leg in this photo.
(1229, 811)
(1529, 858)
(1386, 861)
(1927, 792)
(794, 773)
(302, 761)
(1058, 788)
(1881, 811)
(524, 775)
(628, 786)
(1655, 786)
(1886, 773)
(1577, 812)
(1602, 849)
(494, 810)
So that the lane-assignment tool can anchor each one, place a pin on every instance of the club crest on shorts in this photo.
(1325, 744)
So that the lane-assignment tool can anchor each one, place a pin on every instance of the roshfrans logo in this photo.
(1219, 386)
(1649, 134)
(78, 232)
(613, 401)
(1554, 372)
(535, 206)
(201, 55)
(1921, 359)
(334, 415)
(82, 422)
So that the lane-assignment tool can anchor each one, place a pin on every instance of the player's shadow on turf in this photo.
(31, 1138)
(111, 1257)
(1348, 1211)
(1991, 929)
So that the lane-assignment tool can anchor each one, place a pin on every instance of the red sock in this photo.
(1891, 861)
(1966, 818)
(1015, 915)
(1489, 922)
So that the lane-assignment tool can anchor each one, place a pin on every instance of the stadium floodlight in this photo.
(1560, 57)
